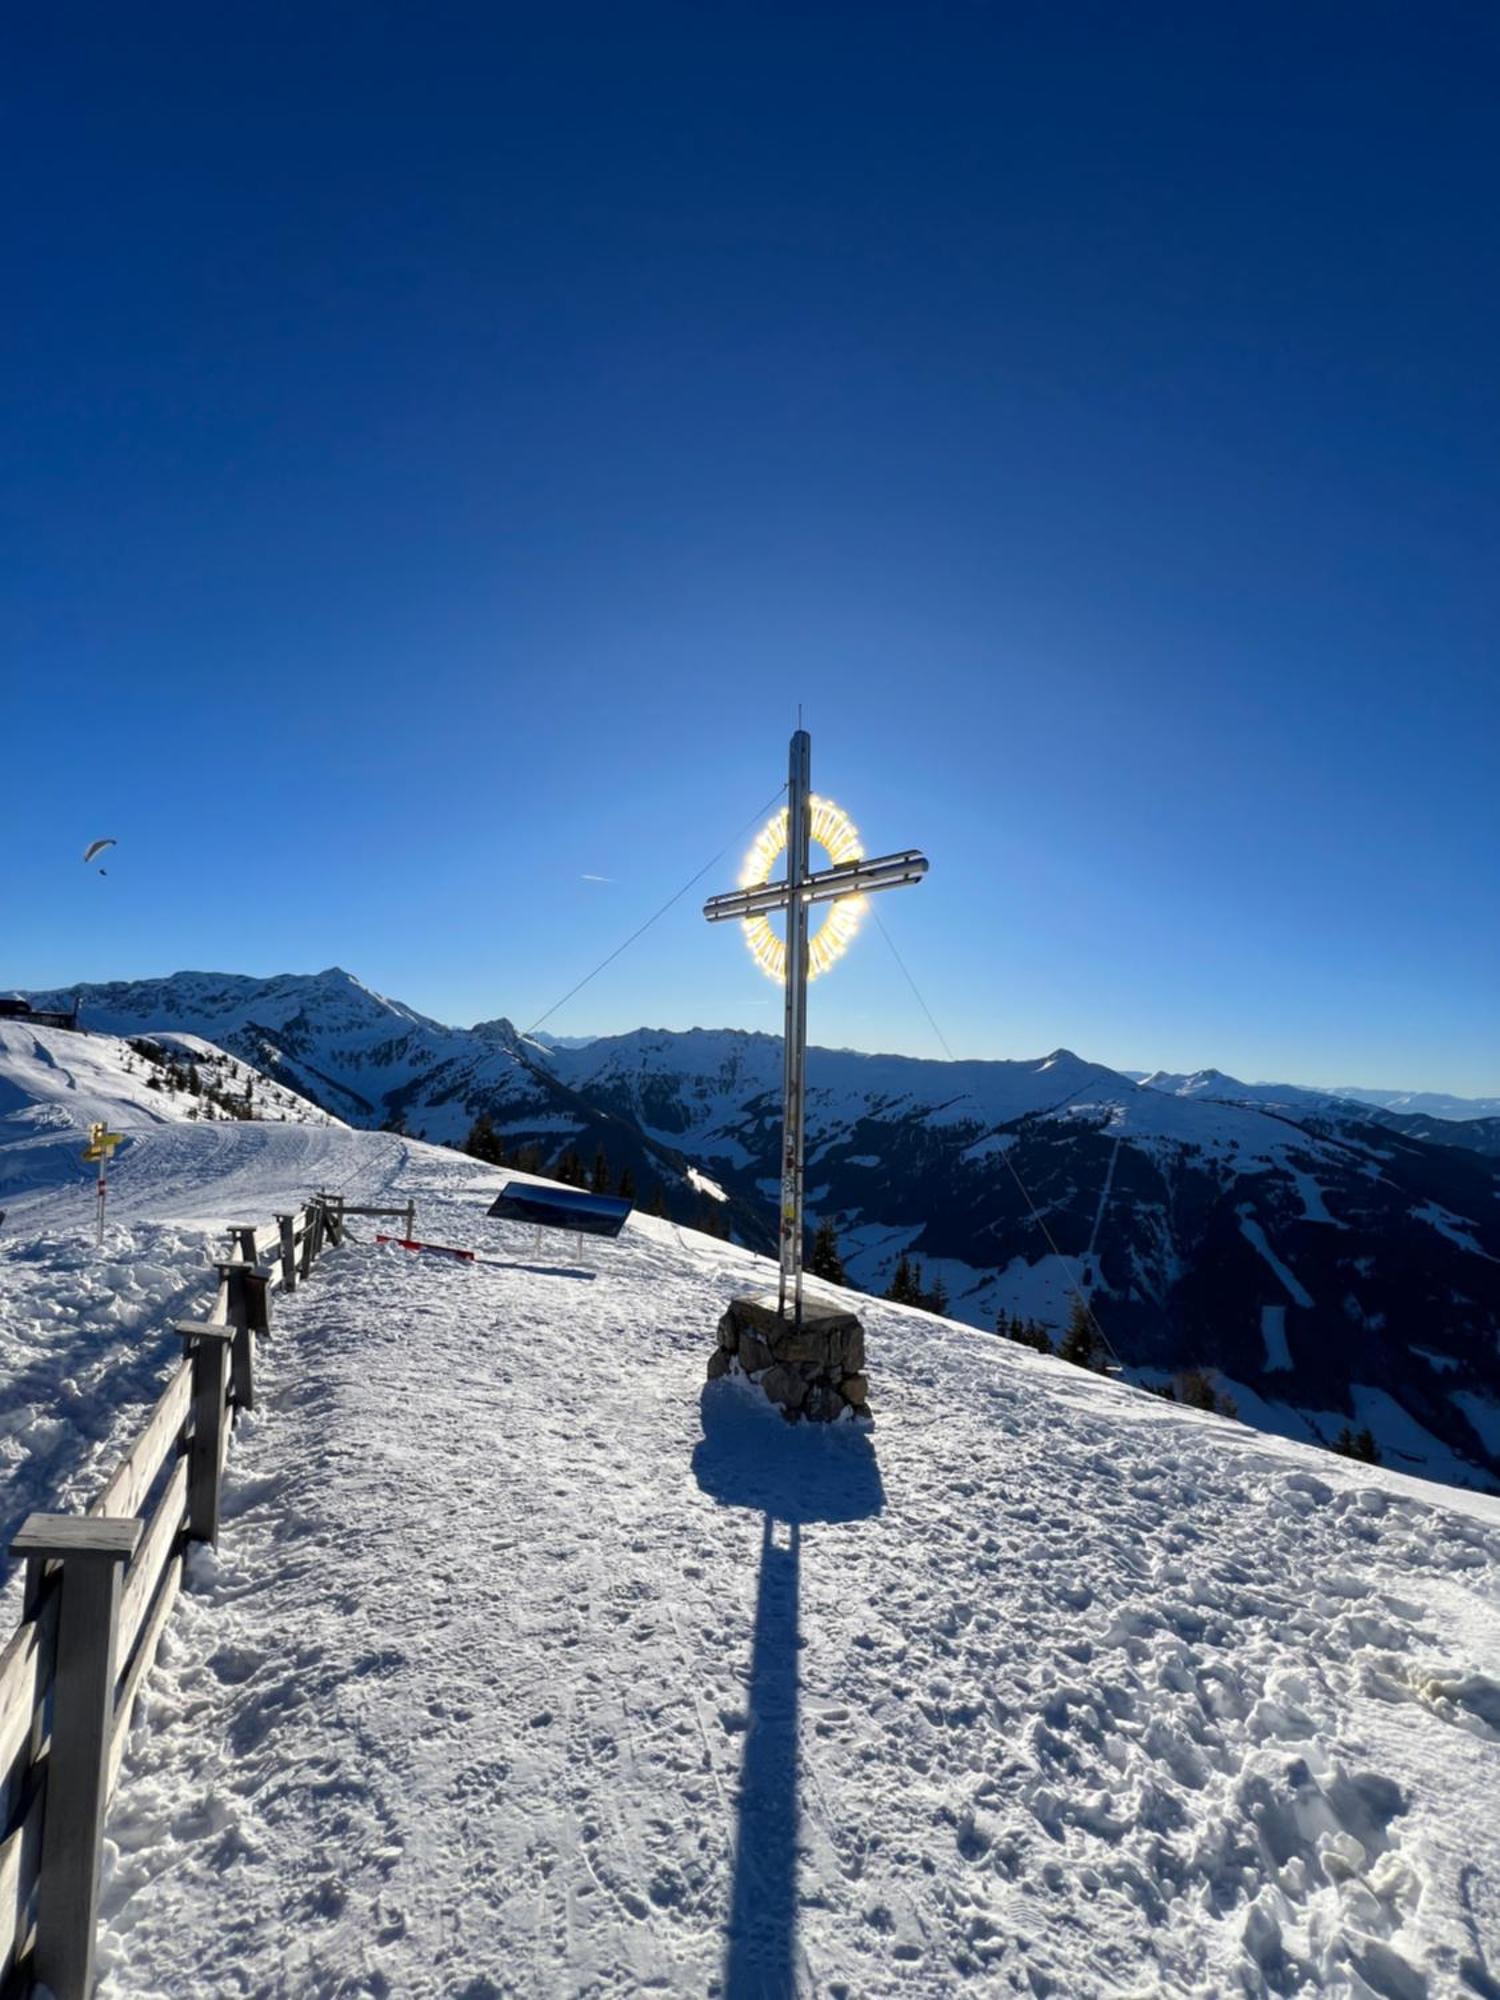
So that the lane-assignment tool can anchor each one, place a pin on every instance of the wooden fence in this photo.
(338, 1208)
(99, 1589)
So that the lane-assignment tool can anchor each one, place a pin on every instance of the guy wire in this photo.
(1036, 1214)
(676, 897)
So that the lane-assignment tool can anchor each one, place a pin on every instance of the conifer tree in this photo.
(483, 1142)
(658, 1202)
(1358, 1444)
(935, 1298)
(825, 1261)
(1025, 1333)
(1195, 1389)
(601, 1177)
(906, 1282)
(1080, 1343)
(569, 1168)
(625, 1185)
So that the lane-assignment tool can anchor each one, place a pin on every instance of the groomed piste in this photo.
(526, 1665)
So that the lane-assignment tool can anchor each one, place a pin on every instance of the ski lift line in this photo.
(677, 897)
(1036, 1214)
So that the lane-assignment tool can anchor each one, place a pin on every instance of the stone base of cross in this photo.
(814, 1341)
(815, 1370)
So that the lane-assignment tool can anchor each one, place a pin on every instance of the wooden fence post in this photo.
(288, 1251)
(242, 1242)
(207, 1347)
(247, 1316)
(411, 1220)
(92, 1553)
(258, 1302)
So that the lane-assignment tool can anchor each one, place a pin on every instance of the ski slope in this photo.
(524, 1665)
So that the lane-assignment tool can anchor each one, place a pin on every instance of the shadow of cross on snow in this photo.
(793, 1475)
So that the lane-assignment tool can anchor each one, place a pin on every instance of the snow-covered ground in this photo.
(524, 1665)
(84, 1334)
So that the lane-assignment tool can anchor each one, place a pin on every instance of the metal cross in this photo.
(796, 895)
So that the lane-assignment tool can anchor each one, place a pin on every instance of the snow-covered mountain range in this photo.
(1422, 1104)
(1332, 1260)
(525, 1663)
(1470, 1122)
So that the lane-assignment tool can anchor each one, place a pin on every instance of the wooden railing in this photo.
(338, 1208)
(99, 1589)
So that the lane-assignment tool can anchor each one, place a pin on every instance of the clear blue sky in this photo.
(440, 446)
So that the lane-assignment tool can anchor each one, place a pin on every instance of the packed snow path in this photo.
(521, 1668)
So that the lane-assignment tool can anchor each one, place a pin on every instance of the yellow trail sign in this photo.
(102, 1143)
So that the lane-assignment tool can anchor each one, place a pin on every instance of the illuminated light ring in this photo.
(838, 836)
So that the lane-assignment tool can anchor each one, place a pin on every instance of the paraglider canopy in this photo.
(97, 847)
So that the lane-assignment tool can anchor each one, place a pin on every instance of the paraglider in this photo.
(97, 847)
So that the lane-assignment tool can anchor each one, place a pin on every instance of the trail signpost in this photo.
(100, 1149)
(796, 961)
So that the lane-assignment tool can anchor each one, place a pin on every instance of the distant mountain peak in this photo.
(503, 1030)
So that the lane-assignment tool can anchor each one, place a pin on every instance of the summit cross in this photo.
(848, 879)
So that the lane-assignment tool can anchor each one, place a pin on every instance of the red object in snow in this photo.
(440, 1249)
